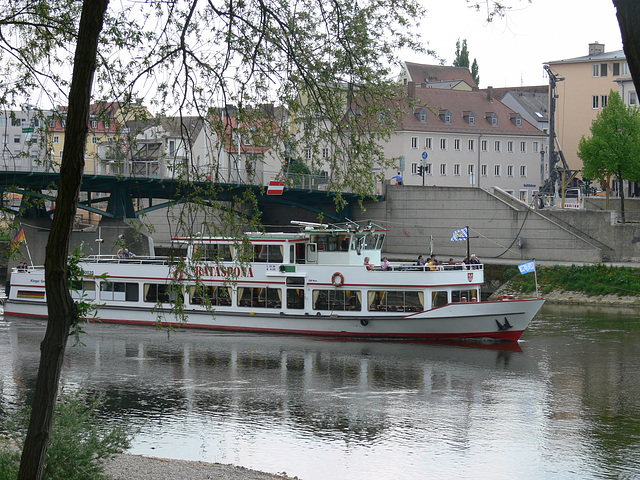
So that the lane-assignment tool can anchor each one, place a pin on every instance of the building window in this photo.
(523, 147)
(509, 171)
(483, 170)
(427, 143)
(616, 69)
(414, 169)
(61, 151)
(16, 139)
(496, 146)
(307, 153)
(523, 170)
(456, 169)
(94, 140)
(172, 147)
(496, 170)
(594, 101)
(414, 142)
(107, 124)
(427, 169)
(456, 144)
(56, 139)
(596, 70)
(603, 101)
(632, 98)
(494, 121)
(625, 68)
(325, 152)
(483, 145)
(471, 145)
(535, 147)
(443, 144)
(16, 122)
(472, 119)
(443, 169)
(470, 169)
(94, 124)
(447, 118)
(509, 146)
(603, 69)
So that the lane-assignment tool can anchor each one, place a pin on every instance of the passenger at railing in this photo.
(421, 262)
(22, 267)
(474, 261)
(432, 263)
(386, 265)
(451, 262)
(127, 254)
(367, 265)
(464, 263)
(119, 253)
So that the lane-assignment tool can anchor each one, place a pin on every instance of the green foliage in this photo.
(614, 145)
(80, 440)
(590, 279)
(462, 59)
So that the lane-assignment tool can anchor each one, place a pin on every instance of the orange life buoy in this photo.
(178, 275)
(337, 279)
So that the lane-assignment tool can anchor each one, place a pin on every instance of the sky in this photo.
(511, 51)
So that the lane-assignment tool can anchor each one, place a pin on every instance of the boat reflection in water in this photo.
(303, 405)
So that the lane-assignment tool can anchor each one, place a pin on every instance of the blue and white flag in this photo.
(527, 267)
(459, 235)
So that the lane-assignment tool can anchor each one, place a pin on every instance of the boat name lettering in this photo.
(31, 280)
(222, 271)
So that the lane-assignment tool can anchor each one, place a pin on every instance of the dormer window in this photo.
(421, 114)
(445, 115)
(516, 118)
(492, 118)
(469, 117)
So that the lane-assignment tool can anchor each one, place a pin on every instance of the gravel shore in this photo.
(136, 467)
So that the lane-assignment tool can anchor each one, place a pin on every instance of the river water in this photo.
(564, 403)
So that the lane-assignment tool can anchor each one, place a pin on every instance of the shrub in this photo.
(80, 440)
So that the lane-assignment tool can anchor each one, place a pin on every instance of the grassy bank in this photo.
(589, 280)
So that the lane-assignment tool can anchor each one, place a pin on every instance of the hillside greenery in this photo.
(589, 279)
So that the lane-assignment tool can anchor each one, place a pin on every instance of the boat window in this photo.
(119, 291)
(295, 298)
(295, 280)
(162, 293)
(464, 295)
(268, 253)
(260, 297)
(209, 295)
(337, 300)
(379, 241)
(83, 289)
(395, 301)
(212, 253)
(439, 298)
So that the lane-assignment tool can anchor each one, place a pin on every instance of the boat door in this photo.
(312, 253)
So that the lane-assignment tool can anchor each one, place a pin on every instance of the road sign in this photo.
(424, 155)
(27, 129)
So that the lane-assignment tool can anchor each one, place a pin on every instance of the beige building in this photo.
(583, 93)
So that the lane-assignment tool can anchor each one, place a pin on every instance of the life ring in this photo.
(337, 279)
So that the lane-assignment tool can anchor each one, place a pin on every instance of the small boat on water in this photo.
(313, 281)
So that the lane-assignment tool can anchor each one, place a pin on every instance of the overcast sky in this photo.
(511, 50)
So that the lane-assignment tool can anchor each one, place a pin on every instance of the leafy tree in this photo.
(462, 59)
(614, 146)
(331, 65)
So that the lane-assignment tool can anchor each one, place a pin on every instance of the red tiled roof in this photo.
(460, 103)
(420, 73)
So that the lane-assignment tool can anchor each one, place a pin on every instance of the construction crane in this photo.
(559, 171)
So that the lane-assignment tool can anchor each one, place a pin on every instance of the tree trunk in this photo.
(628, 13)
(61, 308)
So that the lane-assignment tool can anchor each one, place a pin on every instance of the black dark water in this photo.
(563, 404)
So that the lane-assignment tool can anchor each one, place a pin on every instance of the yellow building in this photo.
(583, 93)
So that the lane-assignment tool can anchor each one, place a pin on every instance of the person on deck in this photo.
(367, 265)
(386, 265)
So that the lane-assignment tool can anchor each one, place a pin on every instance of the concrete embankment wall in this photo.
(501, 227)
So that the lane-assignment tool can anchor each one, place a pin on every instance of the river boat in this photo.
(313, 281)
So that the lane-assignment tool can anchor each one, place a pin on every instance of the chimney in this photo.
(490, 94)
(411, 90)
(595, 48)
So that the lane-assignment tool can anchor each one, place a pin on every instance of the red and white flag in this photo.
(275, 187)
